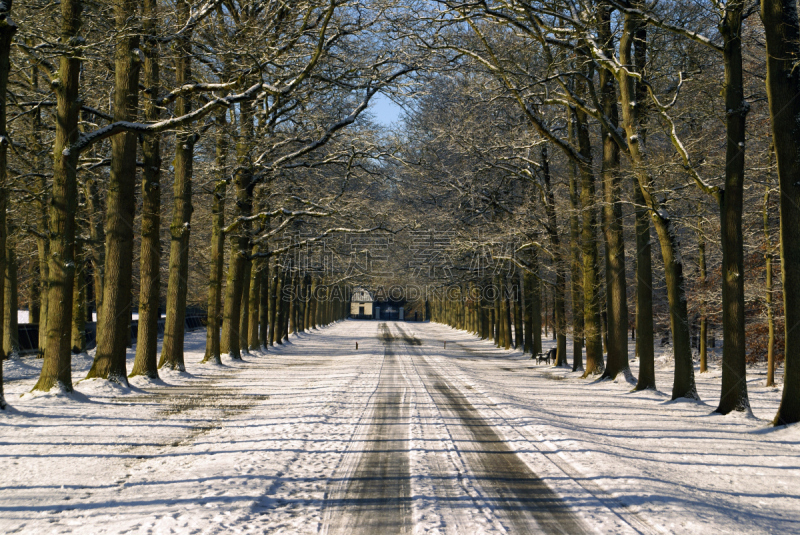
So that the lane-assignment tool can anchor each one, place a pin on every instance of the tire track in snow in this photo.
(443, 492)
(628, 518)
(522, 500)
(376, 496)
(290, 500)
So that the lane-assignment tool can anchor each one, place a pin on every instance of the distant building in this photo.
(361, 304)
(388, 309)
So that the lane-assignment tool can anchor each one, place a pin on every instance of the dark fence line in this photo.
(29, 332)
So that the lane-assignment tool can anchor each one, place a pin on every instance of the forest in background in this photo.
(619, 166)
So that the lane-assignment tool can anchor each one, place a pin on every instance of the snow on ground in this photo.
(677, 465)
(255, 446)
(23, 316)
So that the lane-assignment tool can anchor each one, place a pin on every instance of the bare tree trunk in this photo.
(783, 87)
(56, 368)
(576, 264)
(576, 269)
(175, 322)
(518, 329)
(79, 301)
(263, 309)
(312, 314)
(240, 241)
(506, 311)
(472, 324)
(113, 329)
(40, 287)
(536, 304)
(302, 302)
(7, 31)
(321, 319)
(457, 309)
(279, 308)
(644, 295)
(603, 323)
(526, 281)
(701, 260)
(469, 323)
(546, 302)
(703, 349)
(299, 309)
(462, 307)
(616, 284)
(461, 304)
(591, 294)
(768, 254)
(308, 301)
(292, 303)
(475, 308)
(734, 366)
(10, 331)
(146, 360)
(486, 318)
(559, 301)
(98, 249)
(217, 257)
(255, 300)
(232, 304)
(244, 307)
(497, 317)
(451, 316)
(492, 321)
(645, 351)
(480, 316)
(683, 385)
(319, 294)
(273, 304)
(284, 308)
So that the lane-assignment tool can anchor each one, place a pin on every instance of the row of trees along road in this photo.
(572, 129)
(537, 105)
(250, 110)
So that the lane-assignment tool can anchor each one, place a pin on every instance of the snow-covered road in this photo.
(401, 435)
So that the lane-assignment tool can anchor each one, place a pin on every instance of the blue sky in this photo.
(386, 112)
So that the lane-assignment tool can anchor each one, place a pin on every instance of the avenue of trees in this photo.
(247, 112)
(562, 135)
(613, 168)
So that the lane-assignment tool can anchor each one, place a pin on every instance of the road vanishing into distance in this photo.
(400, 433)
(373, 494)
